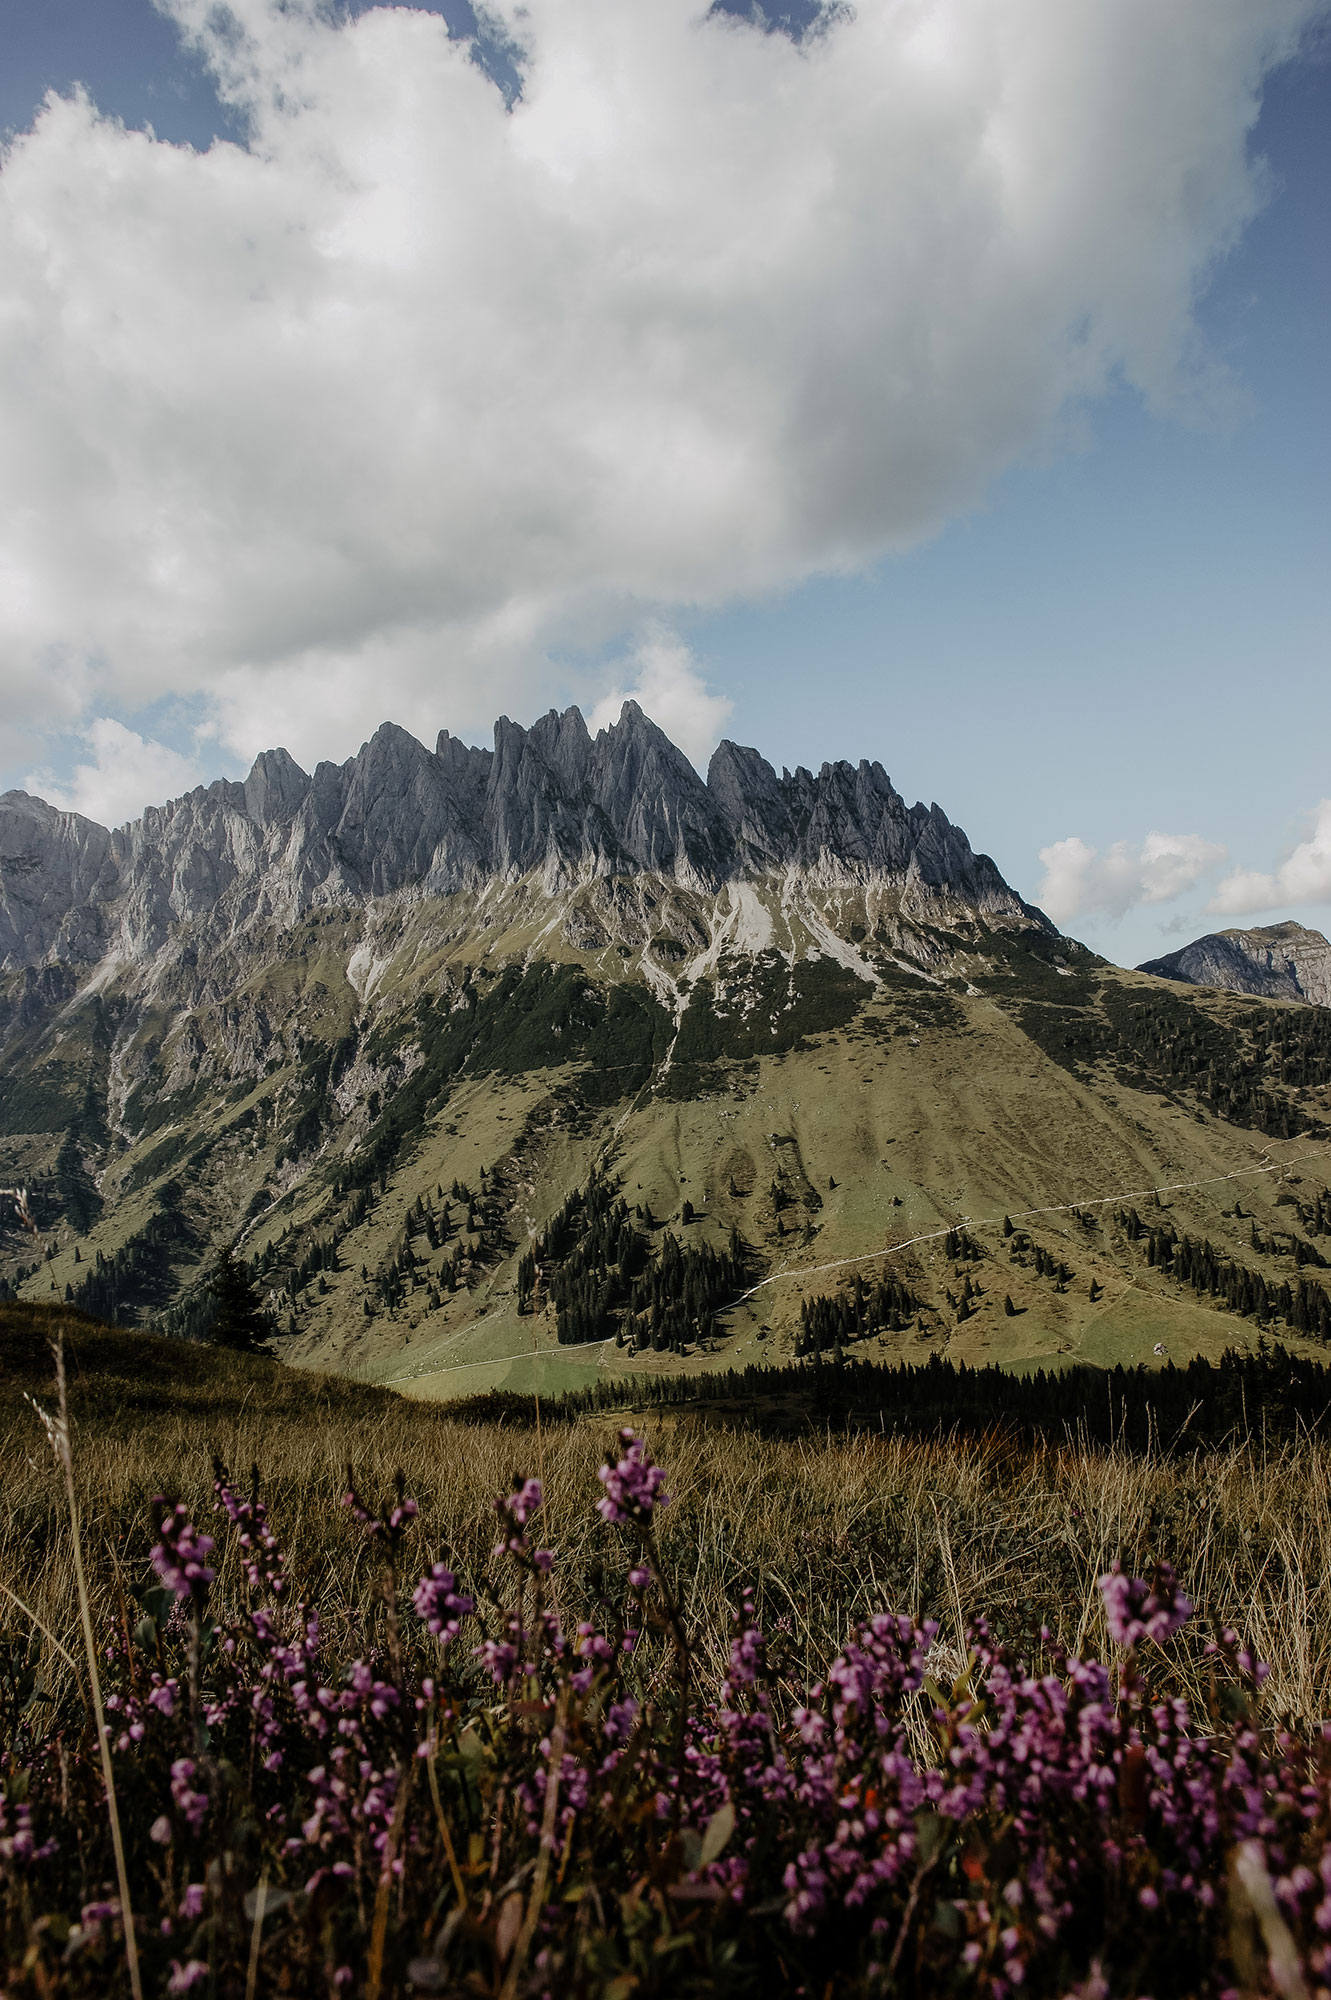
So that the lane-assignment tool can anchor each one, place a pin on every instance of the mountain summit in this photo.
(1278, 961)
(552, 803)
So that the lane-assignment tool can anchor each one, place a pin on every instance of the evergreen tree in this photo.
(240, 1321)
(74, 1186)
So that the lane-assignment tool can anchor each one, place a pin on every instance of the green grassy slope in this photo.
(826, 1110)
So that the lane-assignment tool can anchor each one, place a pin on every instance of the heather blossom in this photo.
(557, 1796)
(1135, 1610)
(440, 1605)
(388, 1528)
(264, 1567)
(634, 1486)
(515, 1510)
(181, 1557)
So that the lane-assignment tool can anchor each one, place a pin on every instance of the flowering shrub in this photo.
(504, 1794)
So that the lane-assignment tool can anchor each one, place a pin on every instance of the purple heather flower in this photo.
(440, 1605)
(163, 1695)
(633, 1487)
(181, 1557)
(184, 1978)
(515, 1510)
(259, 1546)
(523, 1502)
(399, 1519)
(498, 1658)
(1137, 1610)
(191, 1805)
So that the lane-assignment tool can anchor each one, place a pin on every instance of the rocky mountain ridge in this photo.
(556, 1051)
(550, 802)
(1275, 961)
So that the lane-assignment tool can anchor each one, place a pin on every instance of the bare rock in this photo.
(1276, 962)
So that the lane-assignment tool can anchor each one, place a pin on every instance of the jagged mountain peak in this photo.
(275, 787)
(549, 801)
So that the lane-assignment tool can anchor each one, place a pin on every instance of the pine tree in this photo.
(240, 1322)
(74, 1185)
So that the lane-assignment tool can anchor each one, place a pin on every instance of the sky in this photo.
(940, 381)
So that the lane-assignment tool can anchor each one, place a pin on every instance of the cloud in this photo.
(663, 679)
(1304, 876)
(1079, 881)
(124, 773)
(369, 416)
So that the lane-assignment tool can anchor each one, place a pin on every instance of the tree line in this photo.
(1268, 1393)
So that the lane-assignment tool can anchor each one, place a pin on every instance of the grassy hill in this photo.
(397, 1152)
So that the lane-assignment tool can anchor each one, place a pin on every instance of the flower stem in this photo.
(65, 1456)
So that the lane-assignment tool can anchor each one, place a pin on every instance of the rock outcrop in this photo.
(57, 876)
(550, 801)
(1275, 962)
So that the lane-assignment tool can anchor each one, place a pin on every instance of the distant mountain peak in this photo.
(1285, 961)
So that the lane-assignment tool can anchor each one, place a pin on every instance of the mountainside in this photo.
(1278, 961)
(524, 1064)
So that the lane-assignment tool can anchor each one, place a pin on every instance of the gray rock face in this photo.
(57, 875)
(550, 800)
(1277, 962)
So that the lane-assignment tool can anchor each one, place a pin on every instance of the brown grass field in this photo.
(824, 1527)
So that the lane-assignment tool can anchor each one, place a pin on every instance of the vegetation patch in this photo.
(1238, 1071)
(770, 1009)
(714, 1726)
(138, 1281)
(529, 1019)
(1304, 1306)
(1244, 1397)
(606, 1278)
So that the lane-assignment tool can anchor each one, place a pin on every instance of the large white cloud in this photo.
(120, 774)
(1304, 876)
(366, 417)
(1080, 881)
(663, 677)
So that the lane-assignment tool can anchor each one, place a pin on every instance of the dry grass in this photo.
(826, 1529)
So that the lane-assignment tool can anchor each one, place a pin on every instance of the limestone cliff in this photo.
(1277, 962)
(550, 802)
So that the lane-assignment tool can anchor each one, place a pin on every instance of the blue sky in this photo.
(1107, 618)
(1136, 635)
